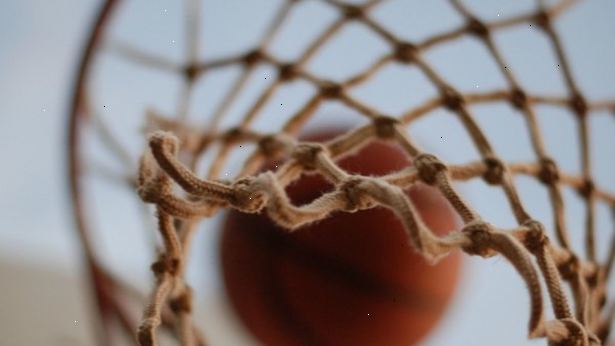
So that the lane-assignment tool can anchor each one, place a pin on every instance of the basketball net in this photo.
(543, 258)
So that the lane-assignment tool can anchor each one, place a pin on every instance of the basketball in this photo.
(350, 279)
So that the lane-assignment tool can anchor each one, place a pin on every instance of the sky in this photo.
(39, 49)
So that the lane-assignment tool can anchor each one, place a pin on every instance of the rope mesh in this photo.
(586, 320)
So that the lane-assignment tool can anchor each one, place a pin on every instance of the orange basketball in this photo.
(351, 279)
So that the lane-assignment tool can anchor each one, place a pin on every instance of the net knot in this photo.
(594, 278)
(233, 135)
(147, 194)
(495, 170)
(452, 99)
(164, 140)
(428, 166)
(272, 145)
(569, 332)
(385, 126)
(406, 52)
(518, 98)
(331, 90)
(150, 184)
(183, 302)
(569, 268)
(253, 57)
(536, 238)
(543, 19)
(549, 173)
(587, 189)
(355, 198)
(602, 298)
(287, 72)
(477, 28)
(191, 71)
(479, 233)
(249, 193)
(151, 191)
(165, 264)
(578, 104)
(307, 154)
(352, 12)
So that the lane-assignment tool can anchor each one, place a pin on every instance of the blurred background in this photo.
(44, 297)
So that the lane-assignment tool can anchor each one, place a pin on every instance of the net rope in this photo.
(586, 320)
